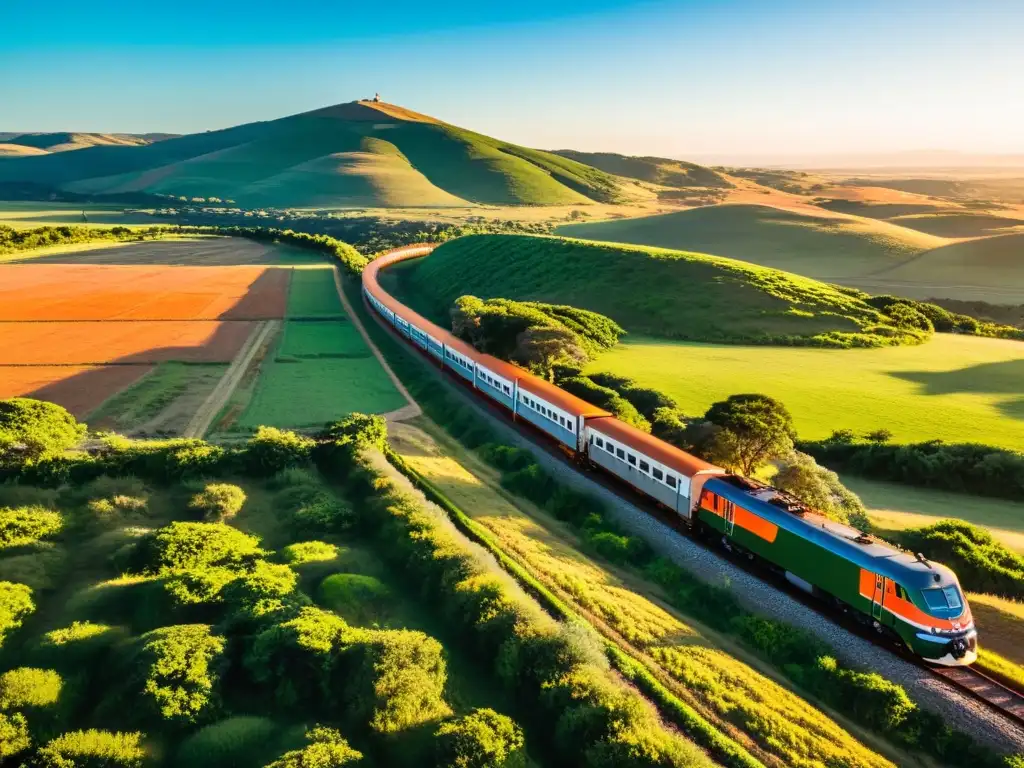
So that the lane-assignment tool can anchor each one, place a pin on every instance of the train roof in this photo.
(653, 448)
(845, 541)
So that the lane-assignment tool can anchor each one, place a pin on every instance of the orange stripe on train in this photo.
(758, 526)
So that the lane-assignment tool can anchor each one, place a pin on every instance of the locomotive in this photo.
(915, 602)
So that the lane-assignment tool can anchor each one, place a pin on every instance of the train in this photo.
(917, 603)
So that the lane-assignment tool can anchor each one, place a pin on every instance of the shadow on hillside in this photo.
(1002, 378)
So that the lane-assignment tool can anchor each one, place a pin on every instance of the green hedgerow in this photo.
(237, 741)
(362, 600)
(93, 749)
(272, 450)
(20, 526)
(481, 739)
(218, 501)
(184, 546)
(26, 687)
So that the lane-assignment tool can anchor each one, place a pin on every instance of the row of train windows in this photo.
(663, 477)
(495, 383)
(543, 410)
(459, 360)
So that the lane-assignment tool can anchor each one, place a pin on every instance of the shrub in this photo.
(820, 488)
(39, 569)
(236, 741)
(606, 398)
(218, 501)
(265, 581)
(15, 604)
(20, 526)
(309, 552)
(361, 600)
(14, 735)
(185, 546)
(81, 646)
(323, 512)
(197, 586)
(326, 749)
(93, 749)
(175, 670)
(27, 687)
(272, 450)
(32, 429)
(481, 739)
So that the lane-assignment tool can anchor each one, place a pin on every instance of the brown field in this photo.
(196, 252)
(92, 292)
(79, 388)
(93, 343)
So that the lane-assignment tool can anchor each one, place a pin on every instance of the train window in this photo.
(671, 480)
(644, 466)
(620, 453)
(658, 475)
(598, 440)
(631, 459)
(952, 597)
(901, 593)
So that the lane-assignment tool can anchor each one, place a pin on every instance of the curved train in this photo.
(916, 602)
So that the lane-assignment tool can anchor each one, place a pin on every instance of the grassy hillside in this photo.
(656, 170)
(953, 388)
(824, 247)
(958, 224)
(65, 141)
(667, 293)
(357, 154)
(18, 150)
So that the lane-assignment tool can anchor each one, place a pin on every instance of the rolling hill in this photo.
(671, 294)
(826, 246)
(656, 170)
(354, 154)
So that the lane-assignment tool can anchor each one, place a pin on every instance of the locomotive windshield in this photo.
(943, 598)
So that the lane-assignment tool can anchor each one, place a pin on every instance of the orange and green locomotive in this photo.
(917, 602)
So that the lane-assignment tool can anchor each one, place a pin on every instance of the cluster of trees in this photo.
(12, 240)
(931, 317)
(538, 336)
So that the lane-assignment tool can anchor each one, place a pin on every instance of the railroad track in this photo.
(999, 695)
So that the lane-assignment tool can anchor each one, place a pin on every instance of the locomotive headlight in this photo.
(933, 630)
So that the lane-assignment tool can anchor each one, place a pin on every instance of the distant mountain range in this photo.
(354, 154)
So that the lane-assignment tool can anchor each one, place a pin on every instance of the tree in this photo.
(542, 348)
(750, 431)
(820, 488)
(481, 739)
(879, 436)
(326, 749)
(218, 501)
(31, 429)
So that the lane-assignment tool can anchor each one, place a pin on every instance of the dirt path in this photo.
(410, 411)
(203, 417)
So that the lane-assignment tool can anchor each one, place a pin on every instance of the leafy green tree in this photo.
(14, 735)
(481, 739)
(218, 501)
(326, 749)
(31, 429)
(15, 604)
(26, 687)
(541, 349)
(821, 488)
(272, 450)
(751, 430)
(879, 436)
(92, 749)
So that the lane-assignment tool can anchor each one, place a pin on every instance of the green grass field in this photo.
(895, 507)
(826, 247)
(312, 293)
(656, 170)
(355, 154)
(31, 214)
(954, 388)
(320, 372)
(646, 290)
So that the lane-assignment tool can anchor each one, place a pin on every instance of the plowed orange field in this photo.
(100, 292)
(80, 389)
(144, 341)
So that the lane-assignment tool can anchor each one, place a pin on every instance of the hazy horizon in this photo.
(729, 82)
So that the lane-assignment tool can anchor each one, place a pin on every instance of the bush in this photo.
(15, 604)
(236, 741)
(93, 749)
(20, 526)
(218, 501)
(14, 735)
(187, 546)
(361, 600)
(821, 489)
(272, 450)
(33, 429)
(326, 749)
(606, 398)
(82, 646)
(981, 563)
(175, 670)
(309, 552)
(481, 739)
(27, 687)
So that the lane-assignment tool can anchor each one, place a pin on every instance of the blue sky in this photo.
(728, 79)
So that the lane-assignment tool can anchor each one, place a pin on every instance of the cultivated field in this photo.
(79, 388)
(188, 251)
(318, 370)
(953, 388)
(29, 214)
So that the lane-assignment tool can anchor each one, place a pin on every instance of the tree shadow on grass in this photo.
(1002, 378)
